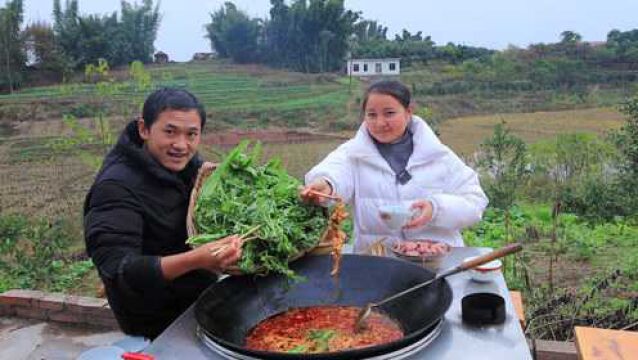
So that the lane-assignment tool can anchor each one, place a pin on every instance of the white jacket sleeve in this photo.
(337, 169)
(463, 202)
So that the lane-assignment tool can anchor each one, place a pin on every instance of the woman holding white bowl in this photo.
(396, 159)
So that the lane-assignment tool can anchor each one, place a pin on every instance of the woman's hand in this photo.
(309, 192)
(424, 214)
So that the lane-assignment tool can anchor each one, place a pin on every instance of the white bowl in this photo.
(396, 216)
(487, 272)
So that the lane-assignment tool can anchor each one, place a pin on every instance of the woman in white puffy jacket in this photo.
(395, 158)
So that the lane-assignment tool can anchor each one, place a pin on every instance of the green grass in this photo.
(472, 97)
(220, 87)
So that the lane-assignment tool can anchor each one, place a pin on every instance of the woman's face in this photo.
(385, 118)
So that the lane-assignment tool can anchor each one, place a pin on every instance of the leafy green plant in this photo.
(142, 81)
(578, 171)
(32, 255)
(70, 273)
(604, 252)
(600, 302)
(100, 136)
(504, 158)
(626, 141)
(492, 232)
(241, 194)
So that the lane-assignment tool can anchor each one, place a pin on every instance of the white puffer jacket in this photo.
(364, 179)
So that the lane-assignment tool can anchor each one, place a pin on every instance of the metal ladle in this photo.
(466, 265)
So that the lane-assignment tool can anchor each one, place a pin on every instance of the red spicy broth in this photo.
(318, 329)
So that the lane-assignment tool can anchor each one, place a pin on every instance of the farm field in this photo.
(234, 96)
(42, 188)
(465, 134)
(35, 181)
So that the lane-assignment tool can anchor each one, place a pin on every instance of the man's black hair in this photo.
(170, 99)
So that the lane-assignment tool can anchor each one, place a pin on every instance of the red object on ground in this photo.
(137, 356)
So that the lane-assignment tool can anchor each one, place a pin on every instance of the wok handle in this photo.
(496, 254)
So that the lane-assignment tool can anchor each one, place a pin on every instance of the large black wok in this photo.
(227, 310)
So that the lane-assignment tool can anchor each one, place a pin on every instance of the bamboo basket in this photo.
(204, 172)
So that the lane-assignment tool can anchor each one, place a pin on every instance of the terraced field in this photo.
(222, 88)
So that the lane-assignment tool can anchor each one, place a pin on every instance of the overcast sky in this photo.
(490, 23)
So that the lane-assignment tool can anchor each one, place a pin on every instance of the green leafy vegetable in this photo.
(241, 194)
(299, 349)
(321, 337)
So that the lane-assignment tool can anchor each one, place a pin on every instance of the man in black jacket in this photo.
(135, 217)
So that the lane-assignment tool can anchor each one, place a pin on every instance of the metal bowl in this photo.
(428, 260)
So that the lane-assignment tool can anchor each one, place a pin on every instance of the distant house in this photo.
(202, 56)
(161, 57)
(374, 67)
(596, 44)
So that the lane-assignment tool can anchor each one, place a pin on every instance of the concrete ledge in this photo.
(555, 350)
(33, 304)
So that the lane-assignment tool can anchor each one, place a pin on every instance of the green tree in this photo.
(138, 26)
(366, 30)
(99, 39)
(66, 28)
(84, 39)
(92, 143)
(308, 36)
(578, 169)
(13, 57)
(626, 140)
(504, 157)
(570, 37)
(40, 41)
(234, 34)
(623, 43)
(407, 36)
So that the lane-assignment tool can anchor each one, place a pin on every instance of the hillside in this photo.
(234, 96)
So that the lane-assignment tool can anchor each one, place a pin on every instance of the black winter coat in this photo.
(134, 214)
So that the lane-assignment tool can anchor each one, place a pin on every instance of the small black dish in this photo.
(483, 309)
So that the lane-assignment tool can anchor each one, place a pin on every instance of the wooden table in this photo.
(599, 344)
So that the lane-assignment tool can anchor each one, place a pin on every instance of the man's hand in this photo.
(209, 166)
(217, 255)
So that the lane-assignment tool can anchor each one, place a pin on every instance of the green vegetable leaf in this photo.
(241, 194)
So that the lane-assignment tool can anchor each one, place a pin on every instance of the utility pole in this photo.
(350, 75)
(4, 20)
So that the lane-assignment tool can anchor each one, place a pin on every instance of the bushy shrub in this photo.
(626, 140)
(32, 255)
(595, 199)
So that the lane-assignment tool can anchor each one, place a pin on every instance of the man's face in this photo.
(173, 138)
